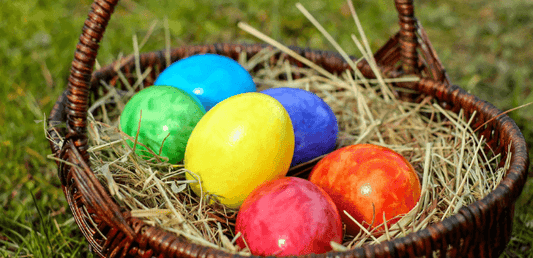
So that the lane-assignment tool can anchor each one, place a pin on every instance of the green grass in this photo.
(484, 47)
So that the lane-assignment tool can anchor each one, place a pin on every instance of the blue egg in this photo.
(314, 123)
(210, 77)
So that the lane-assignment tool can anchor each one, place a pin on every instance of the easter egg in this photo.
(314, 123)
(168, 118)
(242, 142)
(288, 216)
(368, 181)
(210, 77)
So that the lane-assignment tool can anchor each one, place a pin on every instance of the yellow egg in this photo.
(240, 143)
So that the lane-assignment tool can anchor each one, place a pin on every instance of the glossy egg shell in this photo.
(210, 77)
(315, 125)
(242, 142)
(168, 116)
(366, 178)
(288, 216)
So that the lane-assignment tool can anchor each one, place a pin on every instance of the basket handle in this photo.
(93, 30)
(408, 39)
(81, 72)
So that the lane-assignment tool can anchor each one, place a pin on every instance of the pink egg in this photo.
(288, 216)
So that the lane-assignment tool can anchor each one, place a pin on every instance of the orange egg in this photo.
(368, 181)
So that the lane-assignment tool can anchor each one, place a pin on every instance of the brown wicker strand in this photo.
(77, 214)
(408, 39)
(56, 118)
(430, 55)
(93, 192)
(80, 73)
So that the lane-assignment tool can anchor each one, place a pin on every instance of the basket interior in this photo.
(106, 81)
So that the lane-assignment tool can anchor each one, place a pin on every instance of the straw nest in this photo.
(451, 160)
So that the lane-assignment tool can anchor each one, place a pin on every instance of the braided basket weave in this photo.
(481, 229)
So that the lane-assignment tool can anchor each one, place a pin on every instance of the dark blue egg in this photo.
(210, 77)
(314, 123)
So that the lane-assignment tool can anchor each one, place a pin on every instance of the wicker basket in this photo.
(481, 229)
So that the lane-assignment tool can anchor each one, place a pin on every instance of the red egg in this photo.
(288, 216)
(366, 181)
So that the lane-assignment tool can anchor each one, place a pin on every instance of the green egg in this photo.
(168, 117)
